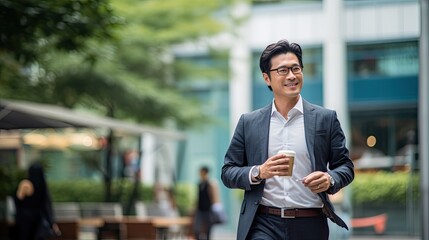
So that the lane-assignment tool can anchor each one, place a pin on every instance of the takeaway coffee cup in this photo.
(291, 155)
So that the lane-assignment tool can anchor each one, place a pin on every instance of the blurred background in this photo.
(122, 99)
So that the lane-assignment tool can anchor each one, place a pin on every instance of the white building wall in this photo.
(382, 21)
(306, 24)
(296, 23)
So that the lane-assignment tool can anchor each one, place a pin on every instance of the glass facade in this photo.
(383, 96)
(391, 130)
(383, 59)
(383, 74)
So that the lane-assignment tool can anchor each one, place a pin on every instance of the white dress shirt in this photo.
(281, 191)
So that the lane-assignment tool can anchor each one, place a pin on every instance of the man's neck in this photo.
(284, 105)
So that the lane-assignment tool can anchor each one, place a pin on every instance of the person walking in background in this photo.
(34, 216)
(278, 205)
(207, 196)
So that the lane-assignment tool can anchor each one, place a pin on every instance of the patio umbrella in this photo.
(16, 114)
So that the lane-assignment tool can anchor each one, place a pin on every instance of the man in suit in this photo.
(276, 206)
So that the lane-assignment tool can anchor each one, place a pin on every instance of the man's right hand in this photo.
(277, 165)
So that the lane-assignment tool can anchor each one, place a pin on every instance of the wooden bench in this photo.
(149, 228)
(378, 222)
(69, 229)
(111, 229)
(140, 229)
(66, 210)
(67, 216)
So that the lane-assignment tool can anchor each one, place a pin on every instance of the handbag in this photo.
(217, 214)
(44, 230)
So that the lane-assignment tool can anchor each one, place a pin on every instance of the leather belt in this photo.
(291, 212)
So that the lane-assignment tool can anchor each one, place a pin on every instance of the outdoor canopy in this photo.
(16, 114)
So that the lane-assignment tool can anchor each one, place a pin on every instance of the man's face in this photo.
(285, 86)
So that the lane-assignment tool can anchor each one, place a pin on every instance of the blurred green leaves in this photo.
(92, 191)
(384, 187)
(169, 21)
(112, 57)
(9, 180)
(28, 26)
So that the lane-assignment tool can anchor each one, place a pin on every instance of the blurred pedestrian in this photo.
(280, 203)
(208, 195)
(34, 216)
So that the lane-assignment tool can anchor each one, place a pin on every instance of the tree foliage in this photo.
(27, 26)
(112, 57)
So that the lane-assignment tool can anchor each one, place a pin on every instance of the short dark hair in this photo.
(281, 47)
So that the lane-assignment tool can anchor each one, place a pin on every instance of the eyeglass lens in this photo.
(285, 70)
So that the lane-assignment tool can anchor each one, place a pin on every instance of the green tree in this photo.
(27, 26)
(72, 54)
(124, 72)
(31, 29)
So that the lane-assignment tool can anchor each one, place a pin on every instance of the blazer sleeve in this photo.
(341, 167)
(235, 171)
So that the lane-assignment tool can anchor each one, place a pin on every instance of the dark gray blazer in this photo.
(326, 145)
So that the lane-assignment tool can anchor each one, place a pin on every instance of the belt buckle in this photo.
(283, 214)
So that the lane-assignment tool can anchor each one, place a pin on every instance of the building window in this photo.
(383, 139)
(384, 59)
(313, 63)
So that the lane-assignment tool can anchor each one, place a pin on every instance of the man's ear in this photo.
(267, 79)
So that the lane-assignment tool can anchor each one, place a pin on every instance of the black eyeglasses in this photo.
(296, 69)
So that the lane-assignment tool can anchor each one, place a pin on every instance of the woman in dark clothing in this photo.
(33, 206)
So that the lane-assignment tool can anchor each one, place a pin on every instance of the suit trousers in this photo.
(271, 227)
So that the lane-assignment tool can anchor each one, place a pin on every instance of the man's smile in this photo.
(292, 84)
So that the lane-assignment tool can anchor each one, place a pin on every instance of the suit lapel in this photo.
(310, 130)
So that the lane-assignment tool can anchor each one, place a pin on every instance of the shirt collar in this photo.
(299, 108)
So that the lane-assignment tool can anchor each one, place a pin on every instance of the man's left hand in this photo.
(317, 182)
